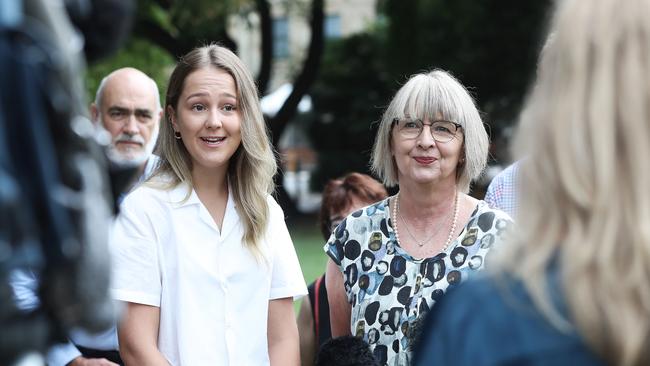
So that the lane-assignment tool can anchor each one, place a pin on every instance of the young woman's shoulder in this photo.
(155, 194)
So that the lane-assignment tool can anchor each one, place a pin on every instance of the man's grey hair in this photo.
(102, 84)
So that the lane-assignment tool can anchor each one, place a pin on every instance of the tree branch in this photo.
(266, 32)
(307, 76)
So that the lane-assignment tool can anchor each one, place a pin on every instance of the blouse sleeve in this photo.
(286, 278)
(335, 246)
(136, 272)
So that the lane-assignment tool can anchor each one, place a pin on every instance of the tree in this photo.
(179, 26)
(150, 59)
(490, 45)
(347, 101)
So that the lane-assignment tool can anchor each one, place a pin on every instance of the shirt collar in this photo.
(178, 196)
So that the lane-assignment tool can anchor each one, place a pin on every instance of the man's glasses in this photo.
(442, 131)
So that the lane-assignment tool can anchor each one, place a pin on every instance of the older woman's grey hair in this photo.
(434, 95)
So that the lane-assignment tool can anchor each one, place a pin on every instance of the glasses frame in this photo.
(457, 125)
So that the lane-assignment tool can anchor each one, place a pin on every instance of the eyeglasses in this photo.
(442, 131)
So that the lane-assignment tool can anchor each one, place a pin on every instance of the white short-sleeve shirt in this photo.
(212, 292)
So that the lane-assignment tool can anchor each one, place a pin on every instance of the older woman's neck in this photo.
(432, 197)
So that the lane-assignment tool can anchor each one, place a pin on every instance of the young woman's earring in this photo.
(177, 135)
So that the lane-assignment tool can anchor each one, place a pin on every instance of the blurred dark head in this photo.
(345, 351)
(345, 195)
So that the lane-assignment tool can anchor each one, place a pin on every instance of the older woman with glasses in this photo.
(392, 261)
(572, 288)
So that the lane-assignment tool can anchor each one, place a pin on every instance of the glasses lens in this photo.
(443, 131)
(410, 128)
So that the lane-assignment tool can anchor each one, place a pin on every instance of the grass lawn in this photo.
(308, 242)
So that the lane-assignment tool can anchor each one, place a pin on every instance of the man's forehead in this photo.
(129, 96)
(121, 107)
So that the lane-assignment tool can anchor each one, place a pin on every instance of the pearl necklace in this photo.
(421, 244)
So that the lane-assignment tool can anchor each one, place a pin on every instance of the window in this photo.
(332, 26)
(281, 37)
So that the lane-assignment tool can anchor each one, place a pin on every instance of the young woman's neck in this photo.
(210, 182)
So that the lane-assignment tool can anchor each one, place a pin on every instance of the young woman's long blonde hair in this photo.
(251, 168)
(585, 139)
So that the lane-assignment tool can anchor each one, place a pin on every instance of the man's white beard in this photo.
(130, 158)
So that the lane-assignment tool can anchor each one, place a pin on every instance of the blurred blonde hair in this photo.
(253, 165)
(431, 96)
(585, 136)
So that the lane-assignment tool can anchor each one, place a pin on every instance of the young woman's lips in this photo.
(212, 141)
(424, 160)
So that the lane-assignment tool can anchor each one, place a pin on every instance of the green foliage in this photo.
(348, 99)
(491, 46)
(137, 53)
(180, 26)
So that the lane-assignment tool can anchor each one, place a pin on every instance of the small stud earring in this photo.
(177, 135)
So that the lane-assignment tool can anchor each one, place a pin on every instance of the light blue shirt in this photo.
(502, 192)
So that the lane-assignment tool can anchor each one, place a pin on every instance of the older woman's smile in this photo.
(426, 160)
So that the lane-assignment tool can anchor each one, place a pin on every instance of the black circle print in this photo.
(386, 286)
(352, 249)
(397, 266)
(453, 277)
(475, 262)
(458, 256)
(371, 312)
(374, 243)
(367, 260)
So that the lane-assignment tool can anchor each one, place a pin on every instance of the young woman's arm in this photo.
(340, 309)
(282, 333)
(138, 336)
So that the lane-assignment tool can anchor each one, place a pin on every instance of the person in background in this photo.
(345, 351)
(341, 197)
(202, 256)
(503, 190)
(391, 262)
(572, 288)
(127, 105)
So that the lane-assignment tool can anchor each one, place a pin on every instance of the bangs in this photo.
(429, 98)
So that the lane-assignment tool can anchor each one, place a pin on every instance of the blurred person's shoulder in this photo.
(492, 318)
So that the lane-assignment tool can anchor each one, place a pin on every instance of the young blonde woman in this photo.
(202, 255)
(574, 288)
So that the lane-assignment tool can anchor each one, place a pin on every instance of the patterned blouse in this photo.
(388, 288)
